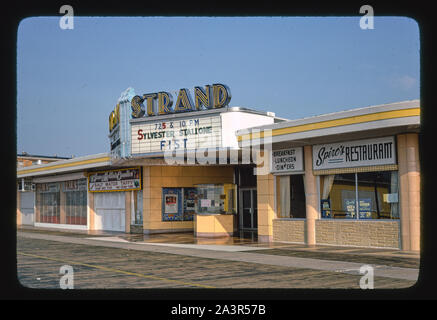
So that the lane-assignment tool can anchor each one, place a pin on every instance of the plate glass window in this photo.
(361, 195)
(76, 202)
(291, 202)
(48, 203)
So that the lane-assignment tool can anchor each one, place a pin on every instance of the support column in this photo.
(37, 213)
(409, 189)
(62, 211)
(414, 189)
(127, 206)
(266, 199)
(311, 198)
(18, 208)
(146, 199)
(92, 213)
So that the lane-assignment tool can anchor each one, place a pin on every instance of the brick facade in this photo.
(358, 233)
(383, 234)
(289, 230)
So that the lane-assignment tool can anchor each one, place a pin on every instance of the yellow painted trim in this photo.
(393, 114)
(64, 165)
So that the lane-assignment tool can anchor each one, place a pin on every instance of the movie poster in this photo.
(190, 195)
(171, 204)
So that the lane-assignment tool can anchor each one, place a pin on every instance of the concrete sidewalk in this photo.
(232, 253)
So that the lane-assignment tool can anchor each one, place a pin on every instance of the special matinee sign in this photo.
(161, 103)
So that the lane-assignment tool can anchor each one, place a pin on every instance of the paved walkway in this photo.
(278, 254)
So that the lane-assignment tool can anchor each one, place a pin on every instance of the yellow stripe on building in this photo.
(64, 165)
(385, 115)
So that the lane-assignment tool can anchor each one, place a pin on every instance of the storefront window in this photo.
(291, 197)
(209, 200)
(75, 207)
(75, 202)
(216, 198)
(364, 195)
(378, 195)
(48, 203)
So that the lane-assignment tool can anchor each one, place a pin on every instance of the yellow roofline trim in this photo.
(64, 165)
(393, 114)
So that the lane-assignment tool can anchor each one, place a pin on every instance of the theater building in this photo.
(198, 165)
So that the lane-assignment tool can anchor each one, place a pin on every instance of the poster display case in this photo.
(178, 204)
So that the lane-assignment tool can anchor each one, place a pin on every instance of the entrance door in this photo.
(110, 211)
(27, 202)
(248, 209)
(297, 201)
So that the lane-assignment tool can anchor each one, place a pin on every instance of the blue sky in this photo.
(68, 81)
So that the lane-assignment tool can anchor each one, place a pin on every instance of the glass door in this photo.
(248, 209)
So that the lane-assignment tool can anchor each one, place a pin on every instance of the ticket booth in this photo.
(215, 214)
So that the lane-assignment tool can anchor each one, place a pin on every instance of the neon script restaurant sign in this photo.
(161, 103)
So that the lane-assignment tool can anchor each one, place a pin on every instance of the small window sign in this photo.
(391, 197)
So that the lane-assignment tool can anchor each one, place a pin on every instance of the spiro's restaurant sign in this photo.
(115, 180)
(368, 152)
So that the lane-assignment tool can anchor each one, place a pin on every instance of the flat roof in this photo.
(204, 113)
(35, 156)
(377, 120)
(68, 165)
